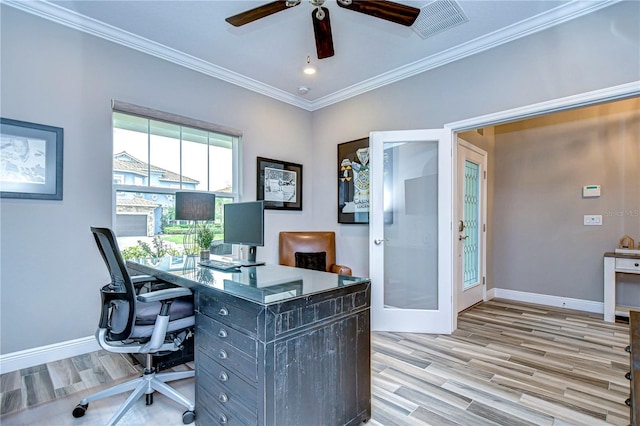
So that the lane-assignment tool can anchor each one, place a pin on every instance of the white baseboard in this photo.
(43, 354)
(491, 293)
(547, 300)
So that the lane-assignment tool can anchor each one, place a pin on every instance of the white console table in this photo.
(616, 262)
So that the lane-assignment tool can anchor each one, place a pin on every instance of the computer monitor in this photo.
(244, 224)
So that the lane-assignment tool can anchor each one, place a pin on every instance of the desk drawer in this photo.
(211, 374)
(226, 355)
(214, 415)
(231, 312)
(628, 264)
(213, 393)
(224, 333)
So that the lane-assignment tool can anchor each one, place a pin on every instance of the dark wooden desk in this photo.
(277, 345)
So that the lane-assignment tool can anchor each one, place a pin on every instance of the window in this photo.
(156, 154)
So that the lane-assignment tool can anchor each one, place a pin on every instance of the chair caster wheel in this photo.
(149, 398)
(80, 410)
(188, 417)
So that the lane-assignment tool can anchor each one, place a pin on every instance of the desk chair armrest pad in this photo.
(138, 279)
(340, 269)
(160, 295)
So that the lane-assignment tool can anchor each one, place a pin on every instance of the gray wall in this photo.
(56, 76)
(540, 242)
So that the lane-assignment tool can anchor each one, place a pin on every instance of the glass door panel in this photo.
(411, 225)
(471, 209)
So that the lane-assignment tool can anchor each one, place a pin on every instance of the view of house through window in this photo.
(151, 161)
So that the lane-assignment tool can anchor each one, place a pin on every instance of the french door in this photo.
(410, 230)
(471, 225)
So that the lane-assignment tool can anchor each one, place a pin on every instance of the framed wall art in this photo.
(279, 184)
(353, 181)
(30, 160)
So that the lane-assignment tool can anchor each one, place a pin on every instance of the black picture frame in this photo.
(279, 184)
(30, 160)
(353, 164)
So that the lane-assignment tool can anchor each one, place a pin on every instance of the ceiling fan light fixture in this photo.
(309, 69)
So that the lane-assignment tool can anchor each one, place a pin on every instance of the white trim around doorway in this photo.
(609, 94)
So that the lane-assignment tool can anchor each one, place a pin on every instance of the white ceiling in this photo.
(268, 55)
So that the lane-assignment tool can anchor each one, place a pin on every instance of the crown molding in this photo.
(71, 19)
(74, 20)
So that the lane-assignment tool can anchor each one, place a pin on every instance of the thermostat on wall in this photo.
(590, 191)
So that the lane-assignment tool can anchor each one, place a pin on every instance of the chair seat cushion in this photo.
(315, 260)
(146, 313)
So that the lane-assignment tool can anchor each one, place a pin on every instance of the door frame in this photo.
(457, 278)
(608, 94)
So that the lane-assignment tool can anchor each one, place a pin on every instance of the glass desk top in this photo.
(261, 284)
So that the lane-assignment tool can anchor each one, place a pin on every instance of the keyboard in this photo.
(220, 265)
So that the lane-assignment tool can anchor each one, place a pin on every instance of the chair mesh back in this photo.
(120, 293)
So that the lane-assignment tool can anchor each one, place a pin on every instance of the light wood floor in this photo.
(507, 364)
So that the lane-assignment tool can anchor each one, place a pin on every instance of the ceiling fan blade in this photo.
(322, 31)
(388, 10)
(258, 12)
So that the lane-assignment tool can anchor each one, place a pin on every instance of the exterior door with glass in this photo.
(471, 226)
(410, 228)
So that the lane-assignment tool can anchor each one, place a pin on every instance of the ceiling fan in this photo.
(383, 9)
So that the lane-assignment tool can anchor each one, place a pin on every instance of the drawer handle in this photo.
(628, 402)
(222, 354)
(637, 264)
(628, 375)
(223, 397)
(628, 349)
(223, 312)
(222, 419)
(222, 333)
(223, 376)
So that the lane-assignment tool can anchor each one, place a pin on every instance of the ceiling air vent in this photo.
(438, 16)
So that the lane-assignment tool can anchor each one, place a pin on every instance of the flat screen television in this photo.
(244, 224)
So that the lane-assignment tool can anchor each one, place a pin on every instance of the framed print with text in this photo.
(353, 181)
(279, 184)
(30, 160)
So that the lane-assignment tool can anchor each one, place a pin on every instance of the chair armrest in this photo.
(141, 279)
(160, 295)
(340, 269)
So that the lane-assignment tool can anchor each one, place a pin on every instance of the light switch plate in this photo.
(593, 219)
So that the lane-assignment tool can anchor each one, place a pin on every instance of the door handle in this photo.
(379, 241)
(461, 226)
(462, 237)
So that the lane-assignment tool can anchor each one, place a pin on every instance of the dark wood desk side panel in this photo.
(322, 377)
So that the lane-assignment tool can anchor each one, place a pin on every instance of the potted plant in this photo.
(205, 238)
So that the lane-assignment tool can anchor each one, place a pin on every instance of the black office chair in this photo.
(153, 322)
